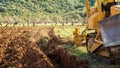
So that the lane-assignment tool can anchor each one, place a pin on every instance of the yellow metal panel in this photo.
(93, 21)
(94, 47)
(99, 9)
(105, 2)
(92, 11)
(87, 8)
(115, 10)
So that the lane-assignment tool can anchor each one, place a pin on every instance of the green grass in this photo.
(67, 31)
(64, 32)
(77, 51)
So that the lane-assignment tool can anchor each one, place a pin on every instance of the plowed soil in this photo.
(17, 50)
(60, 56)
(39, 47)
(35, 48)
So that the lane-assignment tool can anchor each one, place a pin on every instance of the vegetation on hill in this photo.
(42, 10)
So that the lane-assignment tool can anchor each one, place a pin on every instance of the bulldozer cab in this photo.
(102, 10)
(106, 6)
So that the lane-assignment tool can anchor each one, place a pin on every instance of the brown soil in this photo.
(65, 60)
(18, 49)
(59, 55)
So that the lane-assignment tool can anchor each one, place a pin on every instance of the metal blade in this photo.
(110, 30)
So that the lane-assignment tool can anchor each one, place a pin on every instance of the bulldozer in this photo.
(102, 33)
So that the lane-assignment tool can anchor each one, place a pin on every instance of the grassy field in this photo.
(66, 32)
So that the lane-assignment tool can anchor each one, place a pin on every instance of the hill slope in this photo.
(43, 9)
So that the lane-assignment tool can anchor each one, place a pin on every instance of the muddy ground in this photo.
(39, 47)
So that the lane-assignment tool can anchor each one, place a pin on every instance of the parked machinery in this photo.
(103, 29)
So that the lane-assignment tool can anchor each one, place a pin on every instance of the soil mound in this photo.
(20, 52)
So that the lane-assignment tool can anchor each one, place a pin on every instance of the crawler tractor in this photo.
(103, 29)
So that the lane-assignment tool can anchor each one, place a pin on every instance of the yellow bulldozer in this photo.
(103, 29)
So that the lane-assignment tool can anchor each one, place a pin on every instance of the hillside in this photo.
(43, 10)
